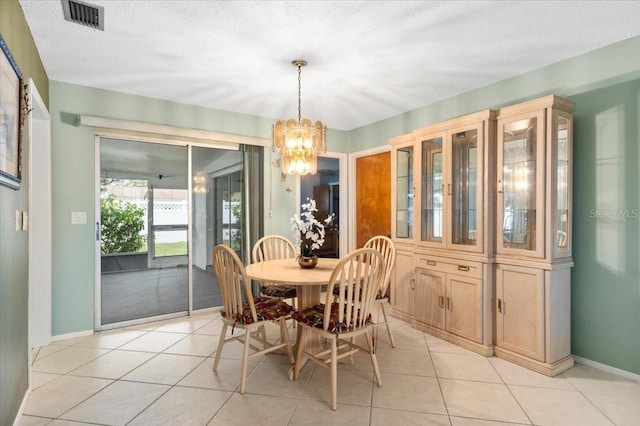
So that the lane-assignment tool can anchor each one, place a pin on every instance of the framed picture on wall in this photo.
(10, 120)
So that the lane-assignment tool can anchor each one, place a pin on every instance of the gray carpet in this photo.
(140, 294)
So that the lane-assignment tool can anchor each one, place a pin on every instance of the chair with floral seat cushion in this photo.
(243, 311)
(340, 320)
(272, 247)
(387, 248)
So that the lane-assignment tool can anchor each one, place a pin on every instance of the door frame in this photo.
(40, 226)
(344, 176)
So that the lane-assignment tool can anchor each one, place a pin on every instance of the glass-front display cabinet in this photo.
(521, 184)
(403, 190)
(465, 188)
(431, 194)
(562, 172)
(533, 179)
(451, 169)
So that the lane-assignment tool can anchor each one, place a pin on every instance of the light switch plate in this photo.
(78, 218)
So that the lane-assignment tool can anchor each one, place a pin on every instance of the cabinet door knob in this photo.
(499, 186)
(431, 262)
(500, 305)
(441, 300)
(463, 268)
(448, 303)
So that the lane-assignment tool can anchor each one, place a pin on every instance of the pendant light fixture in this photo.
(300, 140)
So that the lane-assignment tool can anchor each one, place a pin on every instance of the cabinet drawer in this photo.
(463, 267)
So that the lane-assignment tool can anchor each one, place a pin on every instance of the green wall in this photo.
(14, 280)
(606, 284)
(603, 84)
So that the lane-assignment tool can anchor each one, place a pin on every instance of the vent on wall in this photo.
(84, 14)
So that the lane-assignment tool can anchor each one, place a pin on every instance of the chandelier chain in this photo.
(299, 91)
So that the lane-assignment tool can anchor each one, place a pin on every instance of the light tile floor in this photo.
(160, 374)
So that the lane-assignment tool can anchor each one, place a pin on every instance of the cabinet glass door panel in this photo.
(518, 186)
(404, 193)
(463, 189)
(562, 213)
(431, 224)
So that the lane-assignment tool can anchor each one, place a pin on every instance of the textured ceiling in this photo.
(367, 60)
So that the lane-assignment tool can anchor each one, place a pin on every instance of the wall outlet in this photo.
(78, 218)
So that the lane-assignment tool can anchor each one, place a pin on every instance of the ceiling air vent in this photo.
(84, 14)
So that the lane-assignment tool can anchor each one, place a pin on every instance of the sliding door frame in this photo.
(228, 143)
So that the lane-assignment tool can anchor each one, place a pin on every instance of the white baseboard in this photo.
(71, 335)
(18, 419)
(607, 368)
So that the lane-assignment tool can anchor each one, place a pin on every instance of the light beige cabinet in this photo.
(520, 310)
(403, 288)
(441, 179)
(449, 301)
(533, 234)
(481, 211)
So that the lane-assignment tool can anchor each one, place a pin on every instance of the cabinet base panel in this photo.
(547, 369)
(401, 315)
(486, 350)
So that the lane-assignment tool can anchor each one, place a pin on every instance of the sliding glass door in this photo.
(217, 178)
(163, 208)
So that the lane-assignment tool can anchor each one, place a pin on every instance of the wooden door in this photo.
(322, 194)
(373, 197)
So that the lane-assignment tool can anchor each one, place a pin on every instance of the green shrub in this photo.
(121, 224)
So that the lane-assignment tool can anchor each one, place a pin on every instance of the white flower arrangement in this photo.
(309, 232)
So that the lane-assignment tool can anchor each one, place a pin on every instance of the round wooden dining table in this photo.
(308, 282)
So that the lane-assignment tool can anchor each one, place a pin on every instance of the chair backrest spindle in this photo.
(387, 248)
(358, 277)
(272, 247)
(234, 284)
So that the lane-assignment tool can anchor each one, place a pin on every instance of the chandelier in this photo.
(299, 140)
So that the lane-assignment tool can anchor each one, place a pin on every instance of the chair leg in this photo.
(300, 355)
(284, 336)
(386, 323)
(263, 335)
(374, 359)
(245, 359)
(223, 335)
(334, 373)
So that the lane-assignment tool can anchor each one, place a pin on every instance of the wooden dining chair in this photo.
(339, 321)
(272, 247)
(387, 248)
(241, 310)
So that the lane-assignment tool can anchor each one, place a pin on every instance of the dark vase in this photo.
(307, 262)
